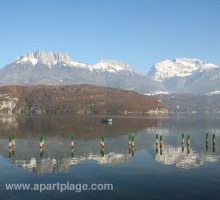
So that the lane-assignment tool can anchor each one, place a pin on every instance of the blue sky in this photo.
(139, 32)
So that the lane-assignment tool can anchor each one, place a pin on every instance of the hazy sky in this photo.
(141, 33)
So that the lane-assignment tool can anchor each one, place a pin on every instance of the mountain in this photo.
(181, 75)
(180, 67)
(76, 99)
(52, 68)
(184, 75)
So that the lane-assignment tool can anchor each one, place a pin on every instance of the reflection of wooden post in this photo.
(72, 154)
(102, 145)
(9, 152)
(132, 151)
(102, 151)
(156, 149)
(188, 149)
(11, 145)
(41, 152)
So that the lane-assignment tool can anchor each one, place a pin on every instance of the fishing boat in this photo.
(106, 120)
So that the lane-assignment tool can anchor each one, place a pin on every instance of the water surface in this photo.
(145, 172)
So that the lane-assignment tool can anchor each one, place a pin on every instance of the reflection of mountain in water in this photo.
(174, 156)
(49, 165)
(87, 127)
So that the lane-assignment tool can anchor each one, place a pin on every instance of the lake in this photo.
(145, 171)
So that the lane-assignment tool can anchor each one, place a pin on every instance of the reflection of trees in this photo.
(81, 126)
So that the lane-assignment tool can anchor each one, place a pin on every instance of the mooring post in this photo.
(188, 140)
(102, 141)
(10, 141)
(207, 141)
(161, 141)
(72, 141)
(183, 139)
(132, 141)
(42, 138)
(129, 140)
(213, 139)
(157, 139)
(13, 140)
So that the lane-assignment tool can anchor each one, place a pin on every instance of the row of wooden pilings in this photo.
(131, 144)
(159, 143)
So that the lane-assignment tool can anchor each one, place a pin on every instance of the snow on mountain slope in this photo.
(51, 68)
(180, 67)
(50, 59)
(112, 66)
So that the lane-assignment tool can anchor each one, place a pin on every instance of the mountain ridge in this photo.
(181, 75)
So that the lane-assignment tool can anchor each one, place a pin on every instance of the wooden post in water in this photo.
(72, 145)
(10, 141)
(161, 141)
(42, 144)
(102, 141)
(207, 141)
(183, 139)
(13, 140)
(213, 137)
(132, 141)
(129, 140)
(157, 139)
(42, 141)
(188, 140)
(161, 145)
(72, 141)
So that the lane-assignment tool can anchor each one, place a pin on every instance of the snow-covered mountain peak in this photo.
(181, 67)
(112, 66)
(50, 59)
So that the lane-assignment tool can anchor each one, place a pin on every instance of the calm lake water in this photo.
(144, 172)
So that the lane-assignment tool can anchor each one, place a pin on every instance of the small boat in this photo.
(106, 120)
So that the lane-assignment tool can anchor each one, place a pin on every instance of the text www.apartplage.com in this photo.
(61, 187)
